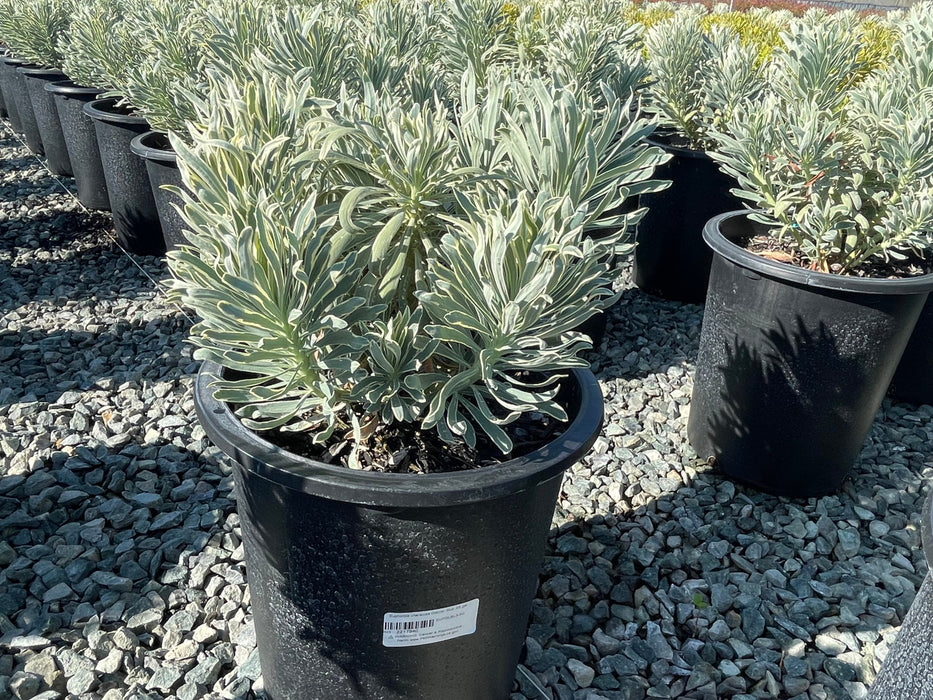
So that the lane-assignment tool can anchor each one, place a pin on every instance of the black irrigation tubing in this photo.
(155, 283)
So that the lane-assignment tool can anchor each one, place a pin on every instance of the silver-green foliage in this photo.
(844, 171)
(99, 47)
(699, 77)
(376, 261)
(33, 29)
(167, 77)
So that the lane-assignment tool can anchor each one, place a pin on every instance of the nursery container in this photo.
(8, 66)
(161, 164)
(793, 364)
(81, 141)
(907, 672)
(913, 380)
(375, 585)
(135, 216)
(3, 112)
(47, 121)
(671, 260)
(27, 115)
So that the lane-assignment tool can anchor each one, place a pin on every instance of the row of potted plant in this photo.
(399, 216)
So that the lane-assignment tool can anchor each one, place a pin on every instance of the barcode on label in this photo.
(410, 625)
(408, 629)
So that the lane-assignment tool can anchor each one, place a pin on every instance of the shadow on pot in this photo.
(779, 419)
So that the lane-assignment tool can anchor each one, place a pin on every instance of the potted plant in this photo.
(31, 30)
(3, 110)
(163, 85)
(93, 29)
(7, 74)
(700, 72)
(101, 51)
(386, 287)
(813, 297)
(913, 63)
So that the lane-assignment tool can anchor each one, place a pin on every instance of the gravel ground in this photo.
(121, 568)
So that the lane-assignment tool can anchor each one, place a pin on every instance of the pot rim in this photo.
(14, 61)
(720, 243)
(98, 109)
(69, 88)
(380, 489)
(659, 139)
(41, 72)
(140, 146)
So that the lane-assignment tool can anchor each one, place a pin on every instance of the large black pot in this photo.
(907, 671)
(671, 260)
(27, 115)
(913, 380)
(793, 364)
(46, 114)
(81, 141)
(8, 66)
(135, 216)
(341, 561)
(162, 165)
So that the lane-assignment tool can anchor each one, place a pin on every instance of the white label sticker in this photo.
(411, 629)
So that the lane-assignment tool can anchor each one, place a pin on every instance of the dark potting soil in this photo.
(786, 251)
(403, 448)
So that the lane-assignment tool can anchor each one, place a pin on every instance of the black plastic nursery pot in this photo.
(135, 217)
(27, 115)
(162, 165)
(47, 120)
(8, 66)
(3, 111)
(80, 138)
(913, 380)
(373, 585)
(671, 259)
(793, 364)
(907, 671)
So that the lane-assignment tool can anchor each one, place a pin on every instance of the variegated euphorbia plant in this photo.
(32, 29)
(838, 155)
(378, 258)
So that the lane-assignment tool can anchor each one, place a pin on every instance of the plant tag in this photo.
(412, 629)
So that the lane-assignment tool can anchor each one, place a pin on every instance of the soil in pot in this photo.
(8, 66)
(135, 217)
(793, 365)
(47, 120)
(375, 585)
(80, 138)
(161, 164)
(27, 115)
(671, 259)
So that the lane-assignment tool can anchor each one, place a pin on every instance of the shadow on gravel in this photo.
(41, 363)
(53, 229)
(96, 270)
(20, 162)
